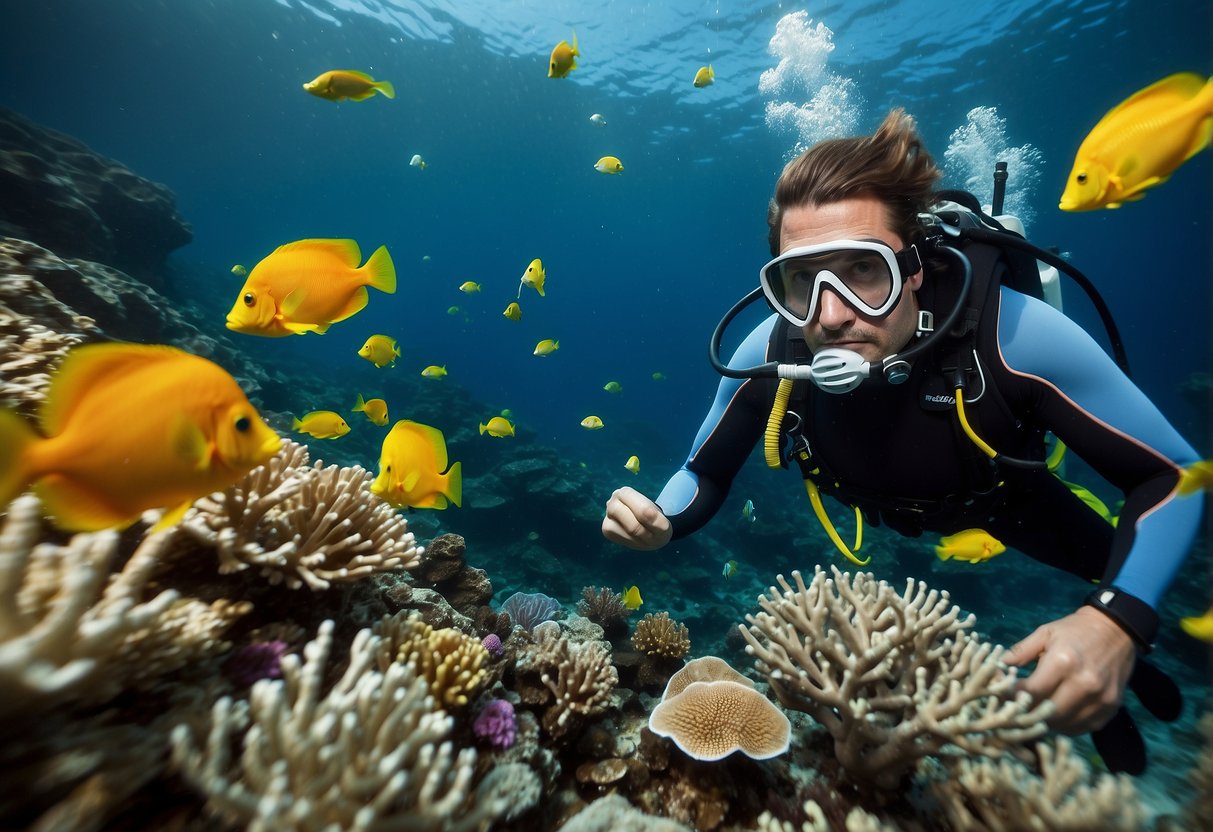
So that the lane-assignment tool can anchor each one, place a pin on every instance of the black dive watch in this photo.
(1135, 616)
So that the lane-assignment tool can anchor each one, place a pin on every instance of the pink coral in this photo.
(496, 724)
(492, 643)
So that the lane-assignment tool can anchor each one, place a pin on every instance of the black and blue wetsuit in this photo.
(897, 451)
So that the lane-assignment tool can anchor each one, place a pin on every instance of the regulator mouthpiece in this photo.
(838, 370)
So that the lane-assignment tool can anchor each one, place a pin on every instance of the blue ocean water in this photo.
(206, 97)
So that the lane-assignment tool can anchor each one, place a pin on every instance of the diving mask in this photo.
(867, 274)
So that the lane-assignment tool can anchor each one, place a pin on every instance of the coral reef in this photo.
(711, 720)
(1199, 813)
(605, 608)
(496, 724)
(658, 635)
(450, 661)
(443, 567)
(526, 609)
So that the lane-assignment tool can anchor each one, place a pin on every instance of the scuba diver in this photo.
(912, 375)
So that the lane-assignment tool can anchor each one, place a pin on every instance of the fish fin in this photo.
(171, 517)
(77, 509)
(1202, 137)
(363, 96)
(346, 251)
(16, 440)
(379, 271)
(943, 553)
(386, 88)
(434, 500)
(356, 304)
(410, 481)
(91, 366)
(292, 302)
(436, 440)
(454, 484)
(357, 73)
(1172, 91)
(301, 329)
(360, 405)
(189, 443)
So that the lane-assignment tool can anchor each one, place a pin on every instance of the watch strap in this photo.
(1135, 616)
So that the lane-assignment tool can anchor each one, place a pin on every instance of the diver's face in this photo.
(837, 323)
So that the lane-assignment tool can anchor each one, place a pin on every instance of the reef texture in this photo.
(61, 194)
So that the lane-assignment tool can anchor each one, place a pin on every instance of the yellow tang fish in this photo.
(380, 350)
(239, 270)
(413, 469)
(632, 599)
(498, 426)
(609, 164)
(563, 60)
(1200, 627)
(972, 545)
(1197, 477)
(322, 424)
(469, 287)
(546, 347)
(633, 464)
(131, 427)
(591, 423)
(434, 371)
(307, 286)
(375, 410)
(338, 84)
(513, 312)
(1140, 142)
(705, 76)
(613, 387)
(533, 277)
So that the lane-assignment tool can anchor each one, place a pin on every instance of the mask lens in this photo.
(861, 277)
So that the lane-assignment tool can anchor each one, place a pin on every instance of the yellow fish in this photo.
(418, 162)
(563, 60)
(534, 276)
(546, 347)
(613, 387)
(498, 426)
(380, 350)
(633, 464)
(375, 410)
(239, 270)
(513, 312)
(1140, 142)
(632, 599)
(132, 427)
(434, 371)
(411, 469)
(705, 76)
(452, 310)
(609, 164)
(338, 84)
(1200, 627)
(591, 423)
(1197, 477)
(468, 287)
(322, 424)
(307, 286)
(972, 545)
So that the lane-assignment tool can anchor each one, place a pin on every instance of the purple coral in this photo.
(259, 660)
(528, 609)
(496, 724)
(492, 643)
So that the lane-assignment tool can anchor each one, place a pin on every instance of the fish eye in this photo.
(243, 424)
(249, 299)
(1082, 178)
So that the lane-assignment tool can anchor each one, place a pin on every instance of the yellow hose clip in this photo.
(824, 519)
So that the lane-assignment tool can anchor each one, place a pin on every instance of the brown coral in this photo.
(659, 635)
(711, 720)
(605, 608)
(451, 662)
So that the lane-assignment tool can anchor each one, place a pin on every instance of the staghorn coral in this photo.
(303, 525)
(370, 754)
(659, 635)
(892, 678)
(605, 608)
(450, 661)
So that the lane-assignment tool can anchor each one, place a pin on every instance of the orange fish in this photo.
(131, 427)
(411, 468)
(307, 286)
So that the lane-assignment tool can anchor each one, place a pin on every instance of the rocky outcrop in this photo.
(62, 195)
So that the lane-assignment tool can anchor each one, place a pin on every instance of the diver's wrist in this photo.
(1130, 613)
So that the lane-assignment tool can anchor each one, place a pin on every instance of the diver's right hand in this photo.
(635, 521)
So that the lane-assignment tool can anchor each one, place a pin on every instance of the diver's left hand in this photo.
(1083, 662)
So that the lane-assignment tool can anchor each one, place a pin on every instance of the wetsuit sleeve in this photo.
(725, 439)
(1071, 387)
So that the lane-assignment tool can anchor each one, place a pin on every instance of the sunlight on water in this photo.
(831, 102)
(974, 148)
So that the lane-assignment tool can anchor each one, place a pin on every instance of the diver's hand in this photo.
(635, 521)
(1083, 662)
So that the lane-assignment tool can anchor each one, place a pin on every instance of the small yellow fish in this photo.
(599, 119)
(658, 376)
(322, 424)
(434, 371)
(546, 347)
(469, 287)
(633, 464)
(452, 310)
(613, 387)
(591, 423)
(730, 569)
(1140, 142)
(380, 350)
(563, 60)
(1200, 627)
(705, 76)
(498, 426)
(609, 164)
(1197, 477)
(971, 545)
(534, 276)
(632, 599)
(513, 312)
(129, 427)
(307, 286)
(375, 410)
(418, 162)
(412, 463)
(339, 84)
(239, 271)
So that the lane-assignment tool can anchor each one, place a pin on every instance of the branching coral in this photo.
(892, 678)
(301, 524)
(605, 608)
(659, 635)
(450, 661)
(370, 754)
(28, 354)
(580, 678)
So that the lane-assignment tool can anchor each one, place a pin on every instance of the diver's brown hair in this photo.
(891, 165)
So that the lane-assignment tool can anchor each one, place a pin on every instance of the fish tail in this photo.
(296, 423)
(453, 485)
(16, 439)
(386, 88)
(359, 406)
(379, 271)
(943, 553)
